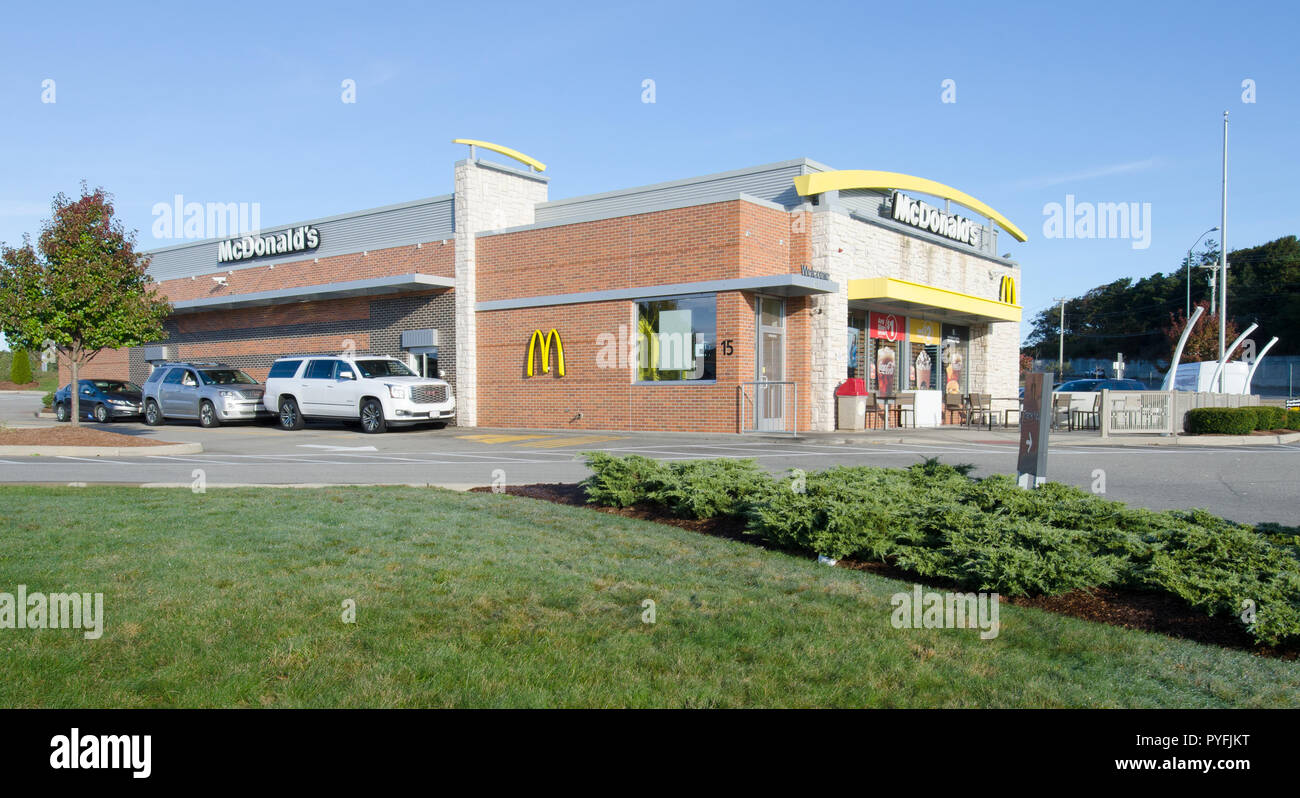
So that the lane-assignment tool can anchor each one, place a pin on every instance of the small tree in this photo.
(1203, 343)
(20, 370)
(83, 286)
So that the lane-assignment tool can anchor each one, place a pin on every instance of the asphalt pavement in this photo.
(1245, 483)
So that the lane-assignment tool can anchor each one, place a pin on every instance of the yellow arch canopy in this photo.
(820, 182)
(516, 154)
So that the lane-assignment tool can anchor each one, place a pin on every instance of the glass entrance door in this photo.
(770, 399)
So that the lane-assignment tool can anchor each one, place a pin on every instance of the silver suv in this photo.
(210, 392)
(378, 391)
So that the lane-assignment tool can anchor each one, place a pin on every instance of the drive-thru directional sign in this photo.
(1035, 423)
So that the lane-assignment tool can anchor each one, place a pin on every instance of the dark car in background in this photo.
(1088, 385)
(102, 400)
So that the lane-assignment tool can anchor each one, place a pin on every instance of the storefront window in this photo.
(955, 344)
(676, 339)
(923, 354)
(856, 332)
(886, 332)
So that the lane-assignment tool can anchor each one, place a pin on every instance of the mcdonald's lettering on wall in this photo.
(544, 342)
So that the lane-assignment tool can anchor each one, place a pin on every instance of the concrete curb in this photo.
(461, 487)
(1237, 440)
(100, 451)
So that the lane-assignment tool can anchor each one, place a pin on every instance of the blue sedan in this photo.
(102, 400)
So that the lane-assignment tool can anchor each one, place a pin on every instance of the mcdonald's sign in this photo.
(545, 341)
(1007, 290)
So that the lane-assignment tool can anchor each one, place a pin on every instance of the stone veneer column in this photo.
(488, 197)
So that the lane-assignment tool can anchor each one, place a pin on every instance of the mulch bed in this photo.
(1132, 609)
(6, 385)
(68, 435)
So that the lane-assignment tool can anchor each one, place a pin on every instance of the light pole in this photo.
(1223, 257)
(1189, 268)
(1060, 366)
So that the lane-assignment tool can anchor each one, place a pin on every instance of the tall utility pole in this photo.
(1060, 366)
(1223, 258)
(1189, 268)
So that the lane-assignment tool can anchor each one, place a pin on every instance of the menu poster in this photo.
(886, 326)
(954, 356)
(922, 371)
(886, 369)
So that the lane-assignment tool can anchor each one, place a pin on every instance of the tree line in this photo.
(1142, 318)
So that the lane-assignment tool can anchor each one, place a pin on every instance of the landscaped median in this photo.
(933, 522)
(78, 441)
(242, 597)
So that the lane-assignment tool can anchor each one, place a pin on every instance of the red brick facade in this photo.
(598, 391)
(720, 241)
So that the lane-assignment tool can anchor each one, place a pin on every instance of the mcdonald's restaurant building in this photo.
(733, 301)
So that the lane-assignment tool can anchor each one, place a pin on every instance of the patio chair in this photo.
(874, 408)
(954, 407)
(982, 408)
(906, 404)
(1060, 410)
(1087, 419)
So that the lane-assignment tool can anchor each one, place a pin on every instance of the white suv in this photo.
(380, 391)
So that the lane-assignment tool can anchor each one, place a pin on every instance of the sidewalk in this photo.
(1011, 436)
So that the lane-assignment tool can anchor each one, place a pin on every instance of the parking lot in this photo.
(1247, 483)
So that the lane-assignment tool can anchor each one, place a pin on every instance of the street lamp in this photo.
(1189, 267)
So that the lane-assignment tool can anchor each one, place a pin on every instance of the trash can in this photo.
(851, 398)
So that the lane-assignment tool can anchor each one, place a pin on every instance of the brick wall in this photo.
(434, 257)
(251, 339)
(598, 390)
(722, 240)
(110, 364)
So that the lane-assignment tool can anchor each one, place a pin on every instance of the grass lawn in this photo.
(234, 598)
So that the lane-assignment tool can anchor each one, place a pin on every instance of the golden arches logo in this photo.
(545, 341)
(516, 154)
(845, 179)
(1007, 290)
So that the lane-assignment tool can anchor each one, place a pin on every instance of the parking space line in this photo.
(190, 460)
(500, 438)
(582, 440)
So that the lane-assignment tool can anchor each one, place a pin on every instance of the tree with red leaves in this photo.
(83, 286)
(1203, 343)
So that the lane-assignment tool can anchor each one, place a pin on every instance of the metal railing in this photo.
(769, 406)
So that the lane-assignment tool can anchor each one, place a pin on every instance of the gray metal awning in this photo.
(782, 284)
(376, 286)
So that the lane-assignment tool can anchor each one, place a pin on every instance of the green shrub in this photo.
(1293, 419)
(1019, 557)
(1220, 566)
(842, 512)
(933, 521)
(1271, 417)
(48, 399)
(20, 369)
(619, 481)
(708, 488)
(1221, 421)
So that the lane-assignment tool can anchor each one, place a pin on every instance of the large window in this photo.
(955, 351)
(677, 339)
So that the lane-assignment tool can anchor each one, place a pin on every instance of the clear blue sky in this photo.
(1109, 102)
